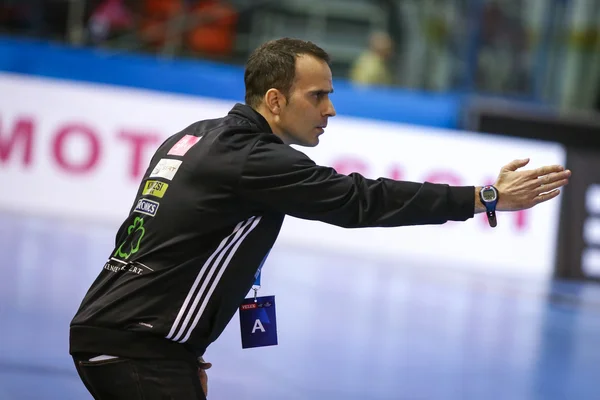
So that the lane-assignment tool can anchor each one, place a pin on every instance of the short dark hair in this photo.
(273, 65)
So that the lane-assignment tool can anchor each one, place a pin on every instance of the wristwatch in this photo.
(489, 198)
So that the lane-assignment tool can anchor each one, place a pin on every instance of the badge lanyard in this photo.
(256, 285)
(258, 323)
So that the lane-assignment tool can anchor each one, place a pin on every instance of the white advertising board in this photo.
(75, 150)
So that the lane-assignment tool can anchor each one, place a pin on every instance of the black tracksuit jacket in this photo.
(206, 214)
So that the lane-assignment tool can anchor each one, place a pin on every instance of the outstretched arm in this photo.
(281, 178)
(278, 177)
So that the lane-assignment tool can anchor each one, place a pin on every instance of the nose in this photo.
(330, 110)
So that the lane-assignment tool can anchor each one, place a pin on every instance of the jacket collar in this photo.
(249, 113)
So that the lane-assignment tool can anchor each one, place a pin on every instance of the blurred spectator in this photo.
(8, 15)
(214, 35)
(25, 17)
(155, 18)
(110, 17)
(371, 67)
(203, 27)
(503, 57)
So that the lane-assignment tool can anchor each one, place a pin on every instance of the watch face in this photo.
(489, 194)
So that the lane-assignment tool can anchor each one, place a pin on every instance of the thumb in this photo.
(516, 164)
(205, 365)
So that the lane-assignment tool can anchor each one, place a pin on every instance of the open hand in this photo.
(519, 190)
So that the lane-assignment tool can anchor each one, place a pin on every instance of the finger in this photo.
(551, 186)
(516, 164)
(549, 179)
(557, 176)
(546, 196)
(205, 365)
(203, 381)
(548, 169)
(543, 182)
(204, 388)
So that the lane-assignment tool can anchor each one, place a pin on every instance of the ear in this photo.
(274, 100)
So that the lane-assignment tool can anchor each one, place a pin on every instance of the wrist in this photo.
(489, 199)
(479, 207)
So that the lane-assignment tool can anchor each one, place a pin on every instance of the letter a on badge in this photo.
(258, 325)
(257, 322)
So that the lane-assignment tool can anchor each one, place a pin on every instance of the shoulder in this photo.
(270, 155)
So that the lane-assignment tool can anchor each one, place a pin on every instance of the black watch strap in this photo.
(490, 207)
(491, 216)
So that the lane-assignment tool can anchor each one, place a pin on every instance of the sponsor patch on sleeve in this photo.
(155, 188)
(148, 207)
(183, 145)
(166, 168)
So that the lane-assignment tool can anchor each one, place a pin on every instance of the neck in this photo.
(267, 115)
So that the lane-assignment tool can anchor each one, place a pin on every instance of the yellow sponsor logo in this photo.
(155, 188)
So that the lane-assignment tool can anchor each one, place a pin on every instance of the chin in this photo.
(314, 143)
(304, 143)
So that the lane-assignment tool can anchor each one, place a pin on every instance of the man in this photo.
(209, 209)
(372, 66)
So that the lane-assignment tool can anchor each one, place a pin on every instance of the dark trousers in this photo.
(140, 379)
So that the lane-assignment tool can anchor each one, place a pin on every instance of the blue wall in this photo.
(210, 79)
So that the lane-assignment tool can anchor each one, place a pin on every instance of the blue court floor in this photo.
(348, 329)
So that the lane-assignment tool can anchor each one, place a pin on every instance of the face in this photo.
(302, 117)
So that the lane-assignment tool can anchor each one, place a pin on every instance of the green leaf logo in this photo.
(131, 244)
